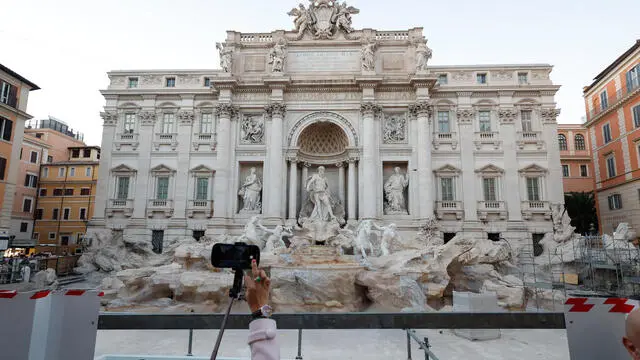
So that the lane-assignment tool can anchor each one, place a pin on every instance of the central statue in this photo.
(322, 214)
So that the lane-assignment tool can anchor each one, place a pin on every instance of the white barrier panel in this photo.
(472, 302)
(49, 326)
(595, 327)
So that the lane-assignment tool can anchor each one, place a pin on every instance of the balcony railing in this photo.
(127, 137)
(200, 206)
(449, 205)
(160, 203)
(121, 203)
(166, 136)
(445, 136)
(490, 205)
(529, 135)
(613, 100)
(204, 137)
(486, 135)
(535, 205)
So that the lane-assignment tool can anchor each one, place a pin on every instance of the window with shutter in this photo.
(162, 188)
(202, 187)
(3, 167)
(489, 187)
(636, 116)
(6, 128)
(533, 189)
(122, 188)
(447, 189)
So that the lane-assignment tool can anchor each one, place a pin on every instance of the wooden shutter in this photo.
(13, 98)
(8, 128)
(3, 166)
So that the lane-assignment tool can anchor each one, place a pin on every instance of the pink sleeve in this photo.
(262, 340)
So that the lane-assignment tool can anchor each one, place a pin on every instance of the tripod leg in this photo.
(214, 354)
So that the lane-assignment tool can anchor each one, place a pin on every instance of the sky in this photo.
(67, 46)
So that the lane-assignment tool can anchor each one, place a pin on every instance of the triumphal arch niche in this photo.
(341, 118)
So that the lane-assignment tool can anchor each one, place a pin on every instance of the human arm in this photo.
(262, 332)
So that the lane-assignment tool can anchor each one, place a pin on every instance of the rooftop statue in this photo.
(323, 18)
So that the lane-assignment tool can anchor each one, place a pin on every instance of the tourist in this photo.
(262, 329)
(631, 340)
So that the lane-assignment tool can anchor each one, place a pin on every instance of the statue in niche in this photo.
(250, 193)
(252, 129)
(277, 56)
(423, 54)
(395, 129)
(321, 214)
(367, 55)
(226, 57)
(394, 193)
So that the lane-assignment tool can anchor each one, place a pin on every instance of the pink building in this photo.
(45, 141)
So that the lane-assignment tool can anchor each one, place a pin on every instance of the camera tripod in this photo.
(235, 293)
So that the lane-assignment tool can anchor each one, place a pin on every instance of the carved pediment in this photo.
(490, 169)
(162, 169)
(533, 169)
(202, 169)
(447, 170)
(122, 168)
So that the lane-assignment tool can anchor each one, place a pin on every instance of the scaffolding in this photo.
(608, 267)
(544, 278)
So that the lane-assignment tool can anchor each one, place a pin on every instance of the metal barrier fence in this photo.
(334, 321)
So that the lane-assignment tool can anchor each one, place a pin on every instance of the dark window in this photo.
(157, 237)
(481, 78)
(133, 82)
(207, 82)
(43, 192)
(38, 214)
(493, 236)
(86, 153)
(55, 214)
(562, 142)
(57, 192)
(3, 166)
(68, 192)
(606, 133)
(24, 227)
(579, 140)
(66, 213)
(49, 159)
(583, 171)
(537, 247)
(39, 135)
(34, 157)
(26, 205)
(448, 237)
(64, 240)
(30, 181)
(171, 82)
(83, 214)
(85, 191)
(20, 153)
(6, 128)
(75, 153)
(615, 202)
(198, 234)
(8, 94)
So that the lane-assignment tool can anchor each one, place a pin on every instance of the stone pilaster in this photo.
(550, 135)
(143, 181)
(182, 193)
(275, 161)
(369, 205)
(422, 110)
(222, 194)
(508, 135)
(293, 188)
(469, 199)
(103, 193)
(351, 190)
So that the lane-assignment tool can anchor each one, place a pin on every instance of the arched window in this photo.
(579, 140)
(562, 141)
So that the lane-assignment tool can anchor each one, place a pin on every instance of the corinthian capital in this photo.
(370, 109)
(109, 118)
(276, 109)
(186, 117)
(421, 108)
(549, 115)
(465, 116)
(226, 110)
(507, 116)
(147, 117)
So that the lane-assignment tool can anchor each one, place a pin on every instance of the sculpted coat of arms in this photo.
(323, 18)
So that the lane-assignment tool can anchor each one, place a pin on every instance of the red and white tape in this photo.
(10, 294)
(615, 305)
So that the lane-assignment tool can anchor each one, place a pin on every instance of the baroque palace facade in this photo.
(193, 152)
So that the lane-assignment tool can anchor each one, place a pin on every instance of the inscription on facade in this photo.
(255, 63)
(325, 60)
(393, 62)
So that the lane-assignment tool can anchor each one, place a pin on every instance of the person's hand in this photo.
(258, 285)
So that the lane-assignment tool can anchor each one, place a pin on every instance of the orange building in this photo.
(575, 157)
(613, 119)
(66, 199)
(45, 141)
(14, 95)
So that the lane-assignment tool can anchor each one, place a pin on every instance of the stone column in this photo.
(341, 181)
(222, 193)
(508, 135)
(143, 179)
(275, 208)
(181, 197)
(103, 193)
(293, 189)
(422, 110)
(465, 117)
(368, 208)
(351, 189)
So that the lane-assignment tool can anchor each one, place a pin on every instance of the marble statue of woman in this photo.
(276, 56)
(368, 57)
(394, 192)
(423, 54)
(226, 57)
(250, 192)
(318, 189)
